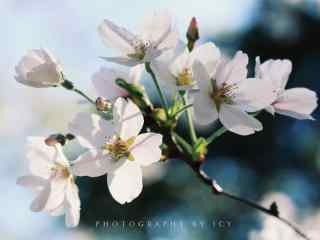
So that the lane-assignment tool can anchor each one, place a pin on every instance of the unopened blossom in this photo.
(296, 102)
(157, 34)
(179, 70)
(116, 148)
(52, 180)
(102, 104)
(38, 68)
(104, 81)
(228, 95)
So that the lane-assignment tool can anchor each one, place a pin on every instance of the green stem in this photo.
(216, 134)
(70, 86)
(183, 109)
(84, 95)
(192, 130)
(163, 100)
(183, 143)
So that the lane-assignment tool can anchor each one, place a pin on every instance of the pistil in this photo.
(119, 148)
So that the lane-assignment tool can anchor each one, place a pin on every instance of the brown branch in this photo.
(218, 190)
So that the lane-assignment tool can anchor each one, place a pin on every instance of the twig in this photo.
(217, 190)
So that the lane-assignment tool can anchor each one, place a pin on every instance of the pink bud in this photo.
(193, 30)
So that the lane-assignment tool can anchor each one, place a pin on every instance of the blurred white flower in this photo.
(295, 102)
(38, 68)
(227, 94)
(274, 229)
(178, 69)
(116, 148)
(105, 85)
(51, 178)
(156, 35)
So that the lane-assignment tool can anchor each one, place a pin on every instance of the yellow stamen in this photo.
(185, 78)
(119, 148)
(223, 94)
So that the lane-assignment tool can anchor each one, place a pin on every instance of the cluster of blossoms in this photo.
(204, 83)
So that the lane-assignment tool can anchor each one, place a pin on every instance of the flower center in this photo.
(59, 170)
(140, 48)
(184, 78)
(119, 148)
(222, 94)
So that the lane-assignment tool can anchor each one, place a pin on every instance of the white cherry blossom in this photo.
(105, 85)
(52, 180)
(178, 68)
(116, 148)
(38, 68)
(228, 95)
(157, 34)
(296, 102)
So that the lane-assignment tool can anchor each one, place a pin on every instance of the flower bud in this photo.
(159, 114)
(55, 139)
(192, 33)
(200, 150)
(39, 69)
(103, 104)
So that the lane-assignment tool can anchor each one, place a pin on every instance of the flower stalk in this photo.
(216, 134)
(191, 128)
(70, 86)
(163, 99)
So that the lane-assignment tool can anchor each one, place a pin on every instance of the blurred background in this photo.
(281, 163)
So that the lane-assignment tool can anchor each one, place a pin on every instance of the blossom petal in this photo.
(116, 37)
(201, 76)
(162, 65)
(254, 95)
(205, 111)
(39, 69)
(135, 74)
(130, 62)
(57, 193)
(278, 71)
(72, 205)
(94, 164)
(40, 156)
(126, 184)
(181, 62)
(30, 181)
(158, 29)
(91, 130)
(234, 70)
(39, 203)
(44, 75)
(146, 148)
(162, 72)
(206, 53)
(105, 85)
(237, 121)
(297, 102)
(60, 210)
(129, 118)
